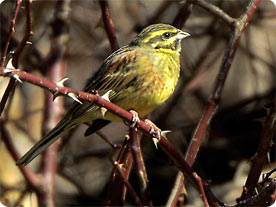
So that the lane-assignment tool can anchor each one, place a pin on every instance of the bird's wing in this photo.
(118, 74)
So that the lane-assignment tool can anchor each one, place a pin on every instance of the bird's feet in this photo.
(135, 119)
(154, 130)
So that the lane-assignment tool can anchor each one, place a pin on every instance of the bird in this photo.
(139, 76)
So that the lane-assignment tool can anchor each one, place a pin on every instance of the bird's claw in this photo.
(135, 119)
(154, 131)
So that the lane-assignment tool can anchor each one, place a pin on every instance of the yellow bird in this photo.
(139, 76)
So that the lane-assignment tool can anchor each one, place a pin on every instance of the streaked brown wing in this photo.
(117, 73)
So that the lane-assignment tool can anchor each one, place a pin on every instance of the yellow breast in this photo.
(158, 76)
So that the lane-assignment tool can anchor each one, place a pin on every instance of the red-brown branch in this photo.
(238, 26)
(135, 138)
(53, 111)
(117, 190)
(108, 25)
(28, 174)
(261, 155)
(27, 35)
(125, 115)
(183, 13)
(132, 192)
(11, 84)
(211, 108)
(12, 29)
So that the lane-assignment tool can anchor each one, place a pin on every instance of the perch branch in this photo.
(96, 99)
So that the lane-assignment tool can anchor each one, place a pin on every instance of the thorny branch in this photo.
(96, 99)
(183, 13)
(261, 155)
(132, 192)
(53, 111)
(140, 166)
(11, 84)
(238, 26)
(211, 108)
(26, 37)
(117, 190)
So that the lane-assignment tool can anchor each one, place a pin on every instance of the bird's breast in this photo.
(156, 83)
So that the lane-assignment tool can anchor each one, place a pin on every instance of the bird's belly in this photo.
(149, 97)
(154, 86)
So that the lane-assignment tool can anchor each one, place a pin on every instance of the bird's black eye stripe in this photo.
(167, 34)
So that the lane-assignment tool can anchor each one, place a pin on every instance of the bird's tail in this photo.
(63, 126)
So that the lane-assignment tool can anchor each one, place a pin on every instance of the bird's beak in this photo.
(181, 35)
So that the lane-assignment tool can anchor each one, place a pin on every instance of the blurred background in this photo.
(84, 163)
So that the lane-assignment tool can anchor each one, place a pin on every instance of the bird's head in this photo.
(160, 37)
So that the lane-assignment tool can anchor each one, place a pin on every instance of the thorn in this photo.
(268, 157)
(127, 137)
(155, 142)
(106, 95)
(74, 97)
(16, 77)
(135, 119)
(121, 165)
(55, 95)
(61, 82)
(164, 133)
(103, 111)
(273, 119)
(8, 71)
(10, 65)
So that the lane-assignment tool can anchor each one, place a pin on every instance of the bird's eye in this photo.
(167, 35)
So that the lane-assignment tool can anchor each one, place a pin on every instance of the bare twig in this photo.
(117, 190)
(12, 29)
(183, 13)
(28, 174)
(184, 88)
(211, 108)
(108, 24)
(129, 187)
(216, 11)
(11, 84)
(266, 197)
(238, 26)
(26, 37)
(53, 111)
(261, 155)
(140, 166)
